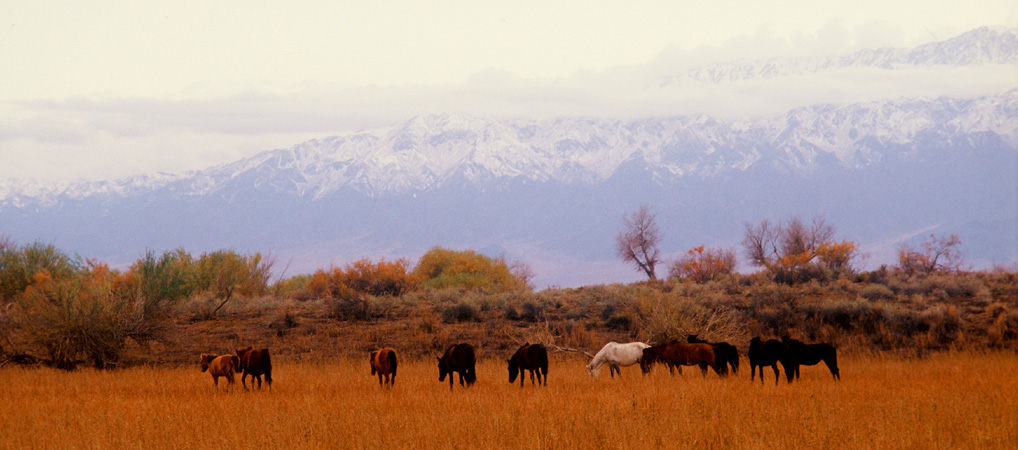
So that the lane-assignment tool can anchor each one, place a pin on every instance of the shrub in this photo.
(20, 264)
(442, 268)
(876, 292)
(703, 265)
(461, 312)
(381, 278)
(89, 316)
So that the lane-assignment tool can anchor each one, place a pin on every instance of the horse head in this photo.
(206, 359)
(443, 369)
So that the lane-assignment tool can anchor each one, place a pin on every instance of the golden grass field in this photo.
(946, 401)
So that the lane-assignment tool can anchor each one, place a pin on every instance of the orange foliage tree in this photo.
(796, 251)
(701, 264)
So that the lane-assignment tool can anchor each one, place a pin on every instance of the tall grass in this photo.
(950, 400)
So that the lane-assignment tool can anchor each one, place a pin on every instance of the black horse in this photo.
(529, 357)
(725, 354)
(801, 354)
(768, 353)
(458, 358)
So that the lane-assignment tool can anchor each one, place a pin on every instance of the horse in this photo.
(532, 357)
(676, 354)
(614, 355)
(383, 362)
(255, 362)
(810, 355)
(725, 354)
(220, 366)
(458, 358)
(768, 353)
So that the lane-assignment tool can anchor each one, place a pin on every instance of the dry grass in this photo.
(948, 401)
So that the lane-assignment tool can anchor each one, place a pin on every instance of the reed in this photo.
(949, 400)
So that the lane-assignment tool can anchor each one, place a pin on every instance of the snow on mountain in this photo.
(428, 152)
(980, 46)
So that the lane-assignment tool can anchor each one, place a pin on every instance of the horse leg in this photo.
(380, 378)
(776, 373)
(259, 379)
(243, 378)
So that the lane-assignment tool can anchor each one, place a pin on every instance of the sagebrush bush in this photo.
(876, 292)
(461, 312)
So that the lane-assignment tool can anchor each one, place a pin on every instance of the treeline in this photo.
(66, 310)
(70, 310)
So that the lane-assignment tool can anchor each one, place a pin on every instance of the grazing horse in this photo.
(614, 355)
(529, 357)
(458, 358)
(220, 366)
(725, 354)
(810, 355)
(768, 353)
(383, 362)
(255, 362)
(676, 354)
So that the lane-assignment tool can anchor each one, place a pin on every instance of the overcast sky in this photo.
(101, 89)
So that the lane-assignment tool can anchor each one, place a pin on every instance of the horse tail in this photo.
(236, 363)
(392, 362)
(735, 359)
(268, 368)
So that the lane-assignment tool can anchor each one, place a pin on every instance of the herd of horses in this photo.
(461, 359)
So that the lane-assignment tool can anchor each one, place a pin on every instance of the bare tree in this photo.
(760, 243)
(637, 242)
(934, 255)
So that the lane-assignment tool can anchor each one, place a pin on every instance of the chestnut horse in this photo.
(532, 357)
(220, 366)
(725, 354)
(810, 355)
(255, 362)
(458, 358)
(768, 353)
(383, 362)
(676, 354)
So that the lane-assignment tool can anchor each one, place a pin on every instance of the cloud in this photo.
(101, 137)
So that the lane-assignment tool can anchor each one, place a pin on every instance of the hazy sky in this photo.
(105, 89)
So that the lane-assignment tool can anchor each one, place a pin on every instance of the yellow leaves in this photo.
(702, 265)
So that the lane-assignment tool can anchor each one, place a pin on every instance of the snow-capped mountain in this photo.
(979, 46)
(427, 152)
(552, 192)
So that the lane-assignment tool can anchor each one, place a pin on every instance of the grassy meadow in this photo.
(949, 400)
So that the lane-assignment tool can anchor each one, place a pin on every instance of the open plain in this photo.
(950, 400)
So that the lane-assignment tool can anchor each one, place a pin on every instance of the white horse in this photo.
(614, 355)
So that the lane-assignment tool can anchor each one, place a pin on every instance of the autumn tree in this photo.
(702, 264)
(20, 263)
(638, 241)
(225, 272)
(797, 251)
(443, 268)
(936, 254)
(89, 315)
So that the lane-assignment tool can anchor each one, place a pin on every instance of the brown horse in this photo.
(676, 354)
(768, 353)
(725, 354)
(458, 358)
(255, 362)
(810, 355)
(220, 366)
(532, 357)
(383, 362)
